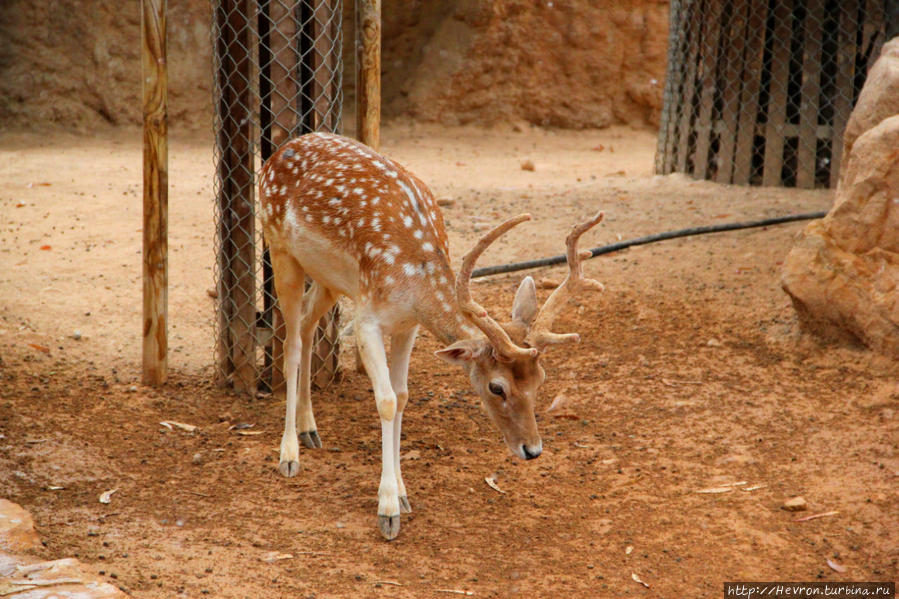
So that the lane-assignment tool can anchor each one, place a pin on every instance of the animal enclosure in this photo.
(278, 74)
(759, 91)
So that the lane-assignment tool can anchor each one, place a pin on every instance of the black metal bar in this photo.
(621, 245)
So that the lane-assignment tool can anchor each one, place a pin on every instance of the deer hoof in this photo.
(405, 506)
(311, 439)
(390, 526)
(289, 468)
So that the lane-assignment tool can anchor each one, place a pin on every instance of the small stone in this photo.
(528, 165)
(197, 459)
(445, 202)
(713, 342)
(212, 292)
(132, 389)
(795, 504)
(340, 525)
(76, 335)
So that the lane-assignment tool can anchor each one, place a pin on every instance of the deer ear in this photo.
(524, 308)
(461, 352)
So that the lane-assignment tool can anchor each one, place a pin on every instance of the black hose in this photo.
(614, 247)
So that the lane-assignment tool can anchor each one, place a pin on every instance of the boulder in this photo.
(879, 98)
(16, 528)
(843, 274)
(32, 578)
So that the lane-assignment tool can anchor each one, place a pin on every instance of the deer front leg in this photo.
(400, 351)
(370, 341)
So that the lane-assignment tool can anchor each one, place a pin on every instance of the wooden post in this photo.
(155, 253)
(237, 251)
(711, 38)
(807, 151)
(778, 88)
(368, 83)
(692, 38)
(278, 85)
(368, 72)
(844, 97)
(749, 97)
(734, 48)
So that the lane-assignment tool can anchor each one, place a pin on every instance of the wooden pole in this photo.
(368, 72)
(155, 254)
(368, 83)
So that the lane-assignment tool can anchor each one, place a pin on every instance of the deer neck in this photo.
(438, 310)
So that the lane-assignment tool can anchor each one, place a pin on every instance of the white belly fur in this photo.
(329, 266)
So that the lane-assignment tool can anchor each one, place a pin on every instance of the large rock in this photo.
(26, 577)
(879, 98)
(16, 528)
(843, 275)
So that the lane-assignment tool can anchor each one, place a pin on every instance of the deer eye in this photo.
(497, 389)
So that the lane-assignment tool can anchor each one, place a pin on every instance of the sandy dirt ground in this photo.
(691, 375)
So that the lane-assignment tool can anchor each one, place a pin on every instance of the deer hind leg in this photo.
(400, 351)
(289, 283)
(370, 341)
(317, 301)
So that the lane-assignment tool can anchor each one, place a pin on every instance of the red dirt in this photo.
(691, 374)
(577, 63)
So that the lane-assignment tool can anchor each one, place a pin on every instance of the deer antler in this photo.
(503, 346)
(539, 334)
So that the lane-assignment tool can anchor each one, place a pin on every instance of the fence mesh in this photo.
(278, 71)
(758, 92)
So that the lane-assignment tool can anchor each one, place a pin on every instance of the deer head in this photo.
(504, 366)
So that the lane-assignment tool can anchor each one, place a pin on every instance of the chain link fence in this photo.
(278, 69)
(758, 92)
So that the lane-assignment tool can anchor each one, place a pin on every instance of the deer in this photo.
(358, 224)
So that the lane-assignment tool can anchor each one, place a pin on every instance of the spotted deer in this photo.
(359, 224)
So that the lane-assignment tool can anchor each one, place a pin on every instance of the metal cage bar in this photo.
(278, 69)
(758, 92)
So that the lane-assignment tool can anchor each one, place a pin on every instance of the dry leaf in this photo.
(492, 484)
(608, 461)
(815, 516)
(41, 348)
(249, 433)
(170, 424)
(528, 165)
(273, 556)
(716, 490)
(558, 400)
(40, 582)
(106, 497)
(754, 487)
(46, 247)
(835, 566)
(240, 426)
(455, 592)
(55, 488)
(390, 582)
(638, 580)
(8, 588)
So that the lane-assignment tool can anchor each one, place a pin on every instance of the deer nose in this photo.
(531, 452)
